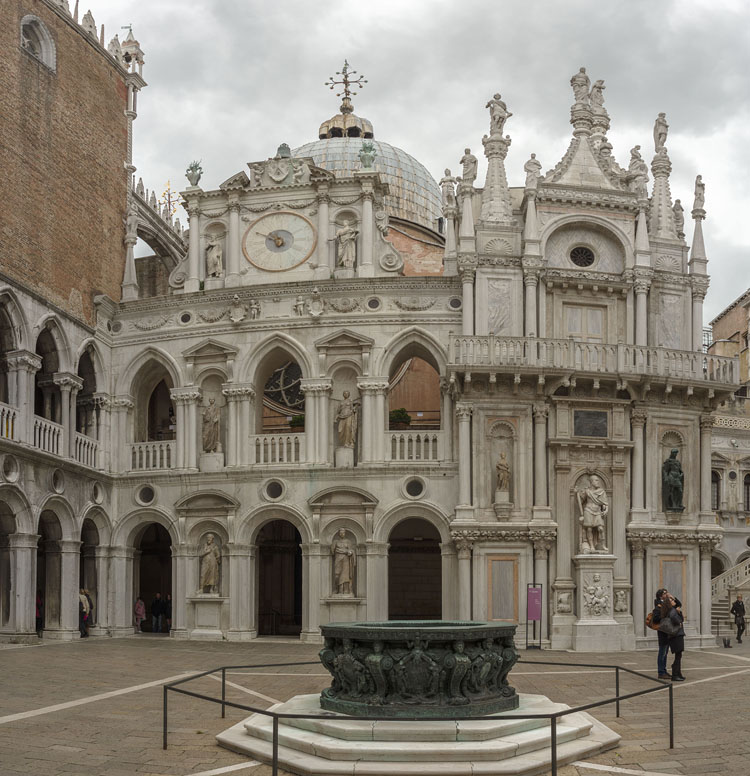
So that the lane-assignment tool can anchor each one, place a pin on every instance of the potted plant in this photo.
(399, 419)
(297, 423)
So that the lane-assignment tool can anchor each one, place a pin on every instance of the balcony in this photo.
(8, 420)
(86, 450)
(48, 435)
(150, 456)
(414, 446)
(485, 353)
(277, 448)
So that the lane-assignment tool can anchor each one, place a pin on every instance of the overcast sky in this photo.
(229, 80)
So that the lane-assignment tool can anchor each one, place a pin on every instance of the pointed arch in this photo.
(16, 316)
(90, 346)
(414, 341)
(52, 324)
(126, 382)
(276, 341)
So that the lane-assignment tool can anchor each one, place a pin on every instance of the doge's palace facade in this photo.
(227, 426)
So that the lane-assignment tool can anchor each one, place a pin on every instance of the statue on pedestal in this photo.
(214, 257)
(344, 563)
(581, 84)
(346, 421)
(533, 169)
(211, 418)
(447, 187)
(499, 114)
(660, 131)
(469, 163)
(210, 559)
(594, 507)
(700, 193)
(347, 245)
(673, 480)
(502, 468)
(679, 218)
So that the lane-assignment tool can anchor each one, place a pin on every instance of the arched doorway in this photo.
(153, 567)
(47, 394)
(414, 571)
(49, 571)
(279, 579)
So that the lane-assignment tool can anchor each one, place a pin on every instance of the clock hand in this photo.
(278, 241)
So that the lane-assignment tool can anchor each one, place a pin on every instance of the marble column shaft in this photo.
(233, 245)
(467, 284)
(637, 579)
(463, 411)
(540, 455)
(464, 579)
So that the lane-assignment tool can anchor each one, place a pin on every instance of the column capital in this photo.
(69, 545)
(542, 541)
(706, 422)
(467, 271)
(372, 385)
(463, 547)
(699, 287)
(707, 543)
(638, 416)
(189, 395)
(463, 411)
(19, 541)
(531, 277)
(23, 360)
(238, 391)
(314, 385)
(123, 402)
(541, 412)
(67, 381)
(637, 546)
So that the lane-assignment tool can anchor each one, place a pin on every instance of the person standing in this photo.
(90, 618)
(139, 612)
(168, 611)
(39, 613)
(738, 610)
(83, 613)
(157, 612)
(667, 615)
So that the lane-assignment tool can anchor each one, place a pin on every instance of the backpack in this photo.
(650, 622)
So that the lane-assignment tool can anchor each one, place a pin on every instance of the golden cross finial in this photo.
(346, 81)
(169, 199)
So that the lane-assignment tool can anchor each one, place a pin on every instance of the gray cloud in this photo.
(231, 79)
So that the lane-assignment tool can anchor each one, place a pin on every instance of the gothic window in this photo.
(715, 483)
(746, 484)
(582, 256)
(37, 41)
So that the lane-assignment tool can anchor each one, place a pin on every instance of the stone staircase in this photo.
(724, 589)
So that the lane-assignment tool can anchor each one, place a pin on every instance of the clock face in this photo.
(279, 241)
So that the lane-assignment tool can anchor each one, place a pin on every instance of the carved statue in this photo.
(211, 418)
(597, 96)
(581, 84)
(131, 229)
(299, 170)
(347, 245)
(533, 170)
(469, 162)
(344, 563)
(446, 187)
(564, 602)
(237, 310)
(502, 468)
(299, 306)
(660, 132)
(594, 507)
(194, 172)
(700, 193)
(672, 480)
(346, 420)
(210, 560)
(254, 309)
(499, 114)
(258, 170)
(596, 597)
(679, 218)
(367, 154)
(621, 601)
(214, 257)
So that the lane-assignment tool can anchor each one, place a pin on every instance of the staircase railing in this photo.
(733, 577)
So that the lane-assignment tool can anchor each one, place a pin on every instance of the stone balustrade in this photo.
(414, 446)
(277, 448)
(730, 578)
(8, 419)
(567, 354)
(152, 455)
(86, 450)
(47, 435)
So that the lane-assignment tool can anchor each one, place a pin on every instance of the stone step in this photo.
(458, 730)
(534, 763)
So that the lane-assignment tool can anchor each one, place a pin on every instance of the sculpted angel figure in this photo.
(210, 560)
(660, 131)
(347, 245)
(469, 163)
(594, 507)
(344, 562)
(346, 421)
(499, 114)
(581, 84)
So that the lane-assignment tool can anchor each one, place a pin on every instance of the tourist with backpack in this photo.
(667, 616)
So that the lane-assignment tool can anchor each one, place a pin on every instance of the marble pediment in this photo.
(238, 181)
(206, 501)
(209, 349)
(340, 497)
(345, 340)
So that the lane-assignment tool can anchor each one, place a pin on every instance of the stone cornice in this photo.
(490, 534)
(665, 535)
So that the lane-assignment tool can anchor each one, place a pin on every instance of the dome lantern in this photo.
(346, 123)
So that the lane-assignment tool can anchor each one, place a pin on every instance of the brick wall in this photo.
(63, 144)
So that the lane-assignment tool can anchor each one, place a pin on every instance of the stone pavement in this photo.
(115, 728)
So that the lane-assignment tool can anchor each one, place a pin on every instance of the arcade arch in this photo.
(279, 581)
(152, 567)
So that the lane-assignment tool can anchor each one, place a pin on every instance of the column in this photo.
(121, 588)
(446, 420)
(463, 412)
(638, 607)
(70, 558)
(641, 311)
(379, 423)
(22, 366)
(449, 257)
(530, 280)
(323, 270)
(542, 542)
(252, 590)
(463, 547)
(366, 422)
(103, 408)
(540, 455)
(192, 283)
(72, 418)
(181, 558)
(23, 549)
(65, 418)
(706, 424)
(239, 592)
(179, 431)
(311, 420)
(637, 423)
(233, 424)
(324, 423)
(101, 602)
(247, 428)
(377, 581)
(467, 285)
(706, 548)
(311, 589)
(233, 246)
(366, 268)
(699, 293)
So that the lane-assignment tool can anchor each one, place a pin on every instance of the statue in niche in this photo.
(447, 188)
(679, 218)
(214, 257)
(347, 245)
(700, 193)
(469, 162)
(673, 480)
(581, 85)
(211, 418)
(533, 170)
(346, 421)
(597, 96)
(621, 601)
(499, 114)
(660, 132)
(210, 563)
(594, 507)
(502, 468)
(344, 563)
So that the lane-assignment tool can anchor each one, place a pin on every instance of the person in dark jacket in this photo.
(738, 610)
(157, 612)
(168, 611)
(668, 609)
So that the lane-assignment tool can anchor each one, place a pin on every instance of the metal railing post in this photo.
(275, 761)
(224, 691)
(671, 716)
(164, 720)
(617, 690)
(553, 744)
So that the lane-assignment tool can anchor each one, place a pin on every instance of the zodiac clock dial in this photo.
(279, 241)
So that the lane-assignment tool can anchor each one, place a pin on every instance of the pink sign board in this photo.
(534, 604)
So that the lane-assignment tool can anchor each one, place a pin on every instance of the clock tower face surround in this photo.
(279, 241)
